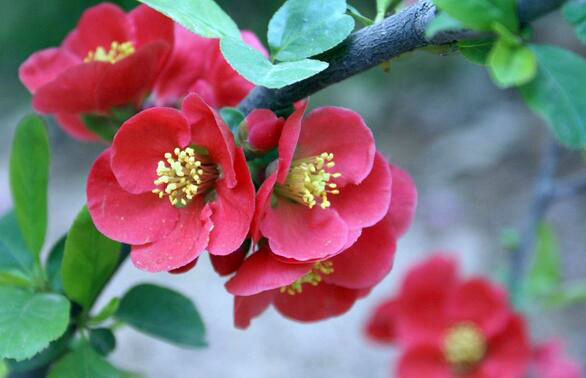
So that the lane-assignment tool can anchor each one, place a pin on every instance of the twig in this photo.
(371, 46)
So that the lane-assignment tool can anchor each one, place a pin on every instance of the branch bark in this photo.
(371, 46)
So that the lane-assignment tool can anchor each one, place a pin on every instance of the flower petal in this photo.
(295, 231)
(148, 25)
(181, 246)
(262, 201)
(423, 361)
(44, 66)
(343, 133)
(74, 126)
(246, 308)
(101, 25)
(403, 200)
(262, 272)
(381, 326)
(288, 140)
(226, 265)
(142, 142)
(264, 129)
(232, 211)
(122, 216)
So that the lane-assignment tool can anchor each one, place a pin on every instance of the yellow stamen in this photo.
(117, 52)
(183, 175)
(464, 346)
(309, 181)
(313, 277)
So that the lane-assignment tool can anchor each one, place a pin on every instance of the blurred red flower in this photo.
(551, 361)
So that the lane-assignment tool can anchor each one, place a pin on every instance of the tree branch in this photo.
(371, 46)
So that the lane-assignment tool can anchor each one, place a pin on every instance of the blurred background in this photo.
(472, 149)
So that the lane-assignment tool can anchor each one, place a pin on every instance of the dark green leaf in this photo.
(88, 262)
(104, 126)
(251, 64)
(14, 253)
(482, 14)
(29, 321)
(53, 266)
(575, 13)
(511, 65)
(441, 22)
(102, 340)
(29, 179)
(105, 312)
(476, 50)
(304, 28)
(84, 362)
(202, 17)
(558, 93)
(162, 313)
(544, 276)
(233, 117)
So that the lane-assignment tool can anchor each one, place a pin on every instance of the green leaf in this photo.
(359, 16)
(441, 22)
(545, 274)
(571, 294)
(104, 126)
(511, 65)
(106, 312)
(84, 362)
(162, 313)
(3, 369)
(29, 179)
(102, 340)
(14, 253)
(29, 321)
(482, 14)
(558, 93)
(55, 349)
(304, 28)
(382, 6)
(575, 14)
(251, 64)
(202, 17)
(476, 50)
(15, 278)
(233, 117)
(88, 262)
(53, 266)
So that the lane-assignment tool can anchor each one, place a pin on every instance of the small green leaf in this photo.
(382, 6)
(88, 262)
(106, 312)
(104, 126)
(558, 93)
(575, 14)
(359, 16)
(14, 253)
(29, 179)
(15, 278)
(482, 14)
(544, 276)
(202, 17)
(102, 340)
(233, 117)
(441, 22)
(476, 50)
(53, 266)
(511, 65)
(29, 321)
(162, 313)
(84, 362)
(251, 64)
(304, 28)
(570, 294)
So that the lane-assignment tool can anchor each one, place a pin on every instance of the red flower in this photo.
(110, 59)
(324, 288)
(172, 185)
(328, 184)
(452, 327)
(550, 361)
(197, 65)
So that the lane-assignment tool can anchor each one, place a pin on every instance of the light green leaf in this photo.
(382, 6)
(102, 340)
(29, 321)
(84, 362)
(29, 179)
(88, 262)
(55, 349)
(558, 93)
(511, 65)
(105, 312)
(570, 294)
(476, 50)
(3, 369)
(304, 28)
(15, 278)
(202, 17)
(482, 14)
(441, 22)
(545, 274)
(14, 253)
(575, 14)
(162, 313)
(251, 64)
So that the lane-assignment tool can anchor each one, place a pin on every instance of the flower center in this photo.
(184, 174)
(313, 277)
(309, 181)
(464, 346)
(117, 52)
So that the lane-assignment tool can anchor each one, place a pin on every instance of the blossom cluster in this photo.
(451, 326)
(301, 211)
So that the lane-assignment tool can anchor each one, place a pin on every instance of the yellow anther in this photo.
(184, 175)
(308, 181)
(464, 346)
(117, 52)
(313, 277)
